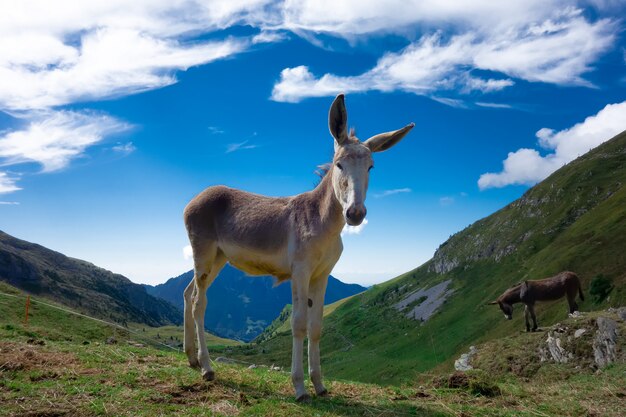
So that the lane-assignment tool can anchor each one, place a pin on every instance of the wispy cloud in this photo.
(446, 201)
(493, 105)
(234, 147)
(270, 36)
(7, 184)
(124, 148)
(215, 130)
(54, 138)
(387, 193)
(9, 203)
(354, 230)
(528, 166)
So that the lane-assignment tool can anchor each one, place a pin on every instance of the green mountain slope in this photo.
(574, 220)
(80, 285)
(59, 365)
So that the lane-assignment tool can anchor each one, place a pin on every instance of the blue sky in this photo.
(113, 117)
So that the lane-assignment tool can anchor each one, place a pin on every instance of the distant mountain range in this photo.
(80, 285)
(241, 307)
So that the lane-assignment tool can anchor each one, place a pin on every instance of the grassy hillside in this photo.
(80, 285)
(574, 220)
(59, 366)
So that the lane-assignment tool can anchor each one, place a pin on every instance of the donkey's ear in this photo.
(384, 141)
(338, 120)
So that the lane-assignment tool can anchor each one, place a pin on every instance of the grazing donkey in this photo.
(528, 292)
(295, 238)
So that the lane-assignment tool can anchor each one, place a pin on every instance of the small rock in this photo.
(463, 363)
(621, 313)
(576, 314)
(253, 366)
(579, 333)
(111, 341)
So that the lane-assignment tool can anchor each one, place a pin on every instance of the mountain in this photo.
(80, 285)
(241, 307)
(573, 220)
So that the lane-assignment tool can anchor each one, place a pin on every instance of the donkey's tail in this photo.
(580, 292)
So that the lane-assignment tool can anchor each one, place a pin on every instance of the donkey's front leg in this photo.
(190, 328)
(299, 292)
(527, 317)
(317, 289)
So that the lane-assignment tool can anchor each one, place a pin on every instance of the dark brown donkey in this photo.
(528, 292)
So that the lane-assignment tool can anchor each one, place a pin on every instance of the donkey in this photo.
(297, 238)
(528, 292)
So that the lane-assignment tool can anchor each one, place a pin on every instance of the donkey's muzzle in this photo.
(355, 215)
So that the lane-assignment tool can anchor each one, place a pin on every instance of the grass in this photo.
(60, 366)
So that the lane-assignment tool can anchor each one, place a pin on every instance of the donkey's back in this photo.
(565, 283)
(230, 216)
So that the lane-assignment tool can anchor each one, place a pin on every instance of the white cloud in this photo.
(7, 184)
(187, 252)
(354, 230)
(357, 17)
(387, 193)
(54, 138)
(107, 63)
(558, 49)
(528, 166)
(9, 203)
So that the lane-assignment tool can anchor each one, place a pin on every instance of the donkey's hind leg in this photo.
(531, 308)
(571, 301)
(527, 316)
(190, 329)
(207, 266)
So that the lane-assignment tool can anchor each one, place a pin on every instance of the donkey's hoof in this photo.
(304, 398)
(194, 364)
(323, 393)
(208, 375)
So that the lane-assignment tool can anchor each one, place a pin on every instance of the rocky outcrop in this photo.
(605, 342)
(592, 342)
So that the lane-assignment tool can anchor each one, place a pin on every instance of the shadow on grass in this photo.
(253, 399)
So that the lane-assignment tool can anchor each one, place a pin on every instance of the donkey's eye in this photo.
(338, 165)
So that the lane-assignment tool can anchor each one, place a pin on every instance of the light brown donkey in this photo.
(295, 237)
